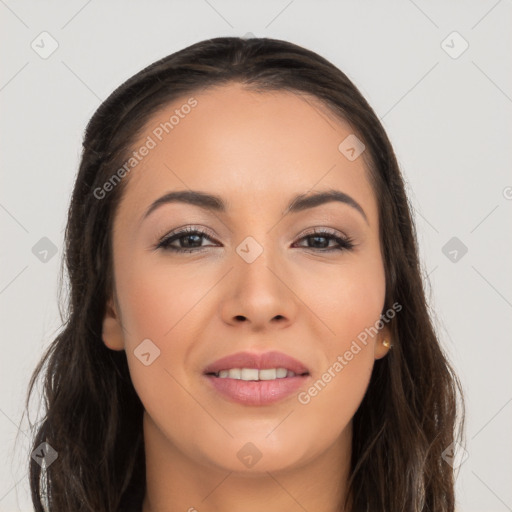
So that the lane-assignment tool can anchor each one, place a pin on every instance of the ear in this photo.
(112, 332)
(381, 350)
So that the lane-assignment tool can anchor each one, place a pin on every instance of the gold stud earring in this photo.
(387, 343)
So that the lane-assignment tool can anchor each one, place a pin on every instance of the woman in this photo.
(247, 327)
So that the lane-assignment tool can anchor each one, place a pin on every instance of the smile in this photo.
(254, 374)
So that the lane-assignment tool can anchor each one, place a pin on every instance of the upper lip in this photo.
(260, 361)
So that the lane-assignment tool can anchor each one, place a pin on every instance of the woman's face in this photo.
(258, 281)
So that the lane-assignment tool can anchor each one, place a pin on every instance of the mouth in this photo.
(254, 374)
(253, 379)
(256, 366)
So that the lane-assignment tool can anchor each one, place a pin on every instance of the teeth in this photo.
(281, 373)
(249, 374)
(267, 374)
(255, 374)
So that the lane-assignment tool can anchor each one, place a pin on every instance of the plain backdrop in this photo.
(438, 74)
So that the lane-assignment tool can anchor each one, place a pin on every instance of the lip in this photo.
(257, 393)
(262, 392)
(260, 361)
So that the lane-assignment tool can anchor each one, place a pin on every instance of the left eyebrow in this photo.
(211, 202)
(305, 201)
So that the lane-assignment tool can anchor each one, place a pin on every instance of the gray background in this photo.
(448, 118)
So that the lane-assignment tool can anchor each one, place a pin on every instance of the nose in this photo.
(259, 294)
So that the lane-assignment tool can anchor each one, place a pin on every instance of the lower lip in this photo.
(260, 392)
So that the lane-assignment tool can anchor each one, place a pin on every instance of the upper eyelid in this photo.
(189, 229)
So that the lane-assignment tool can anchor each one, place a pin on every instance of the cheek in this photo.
(167, 319)
(349, 302)
(346, 298)
(158, 301)
(167, 306)
(328, 405)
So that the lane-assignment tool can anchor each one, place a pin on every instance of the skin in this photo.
(256, 151)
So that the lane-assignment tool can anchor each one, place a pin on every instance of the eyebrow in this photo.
(214, 203)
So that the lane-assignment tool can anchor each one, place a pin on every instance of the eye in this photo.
(322, 237)
(190, 240)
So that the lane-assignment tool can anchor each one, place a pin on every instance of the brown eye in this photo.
(189, 240)
(320, 241)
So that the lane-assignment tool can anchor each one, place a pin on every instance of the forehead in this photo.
(246, 146)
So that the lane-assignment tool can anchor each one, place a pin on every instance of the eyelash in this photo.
(344, 243)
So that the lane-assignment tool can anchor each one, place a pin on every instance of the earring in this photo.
(387, 343)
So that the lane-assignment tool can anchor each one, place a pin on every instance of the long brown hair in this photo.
(410, 412)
